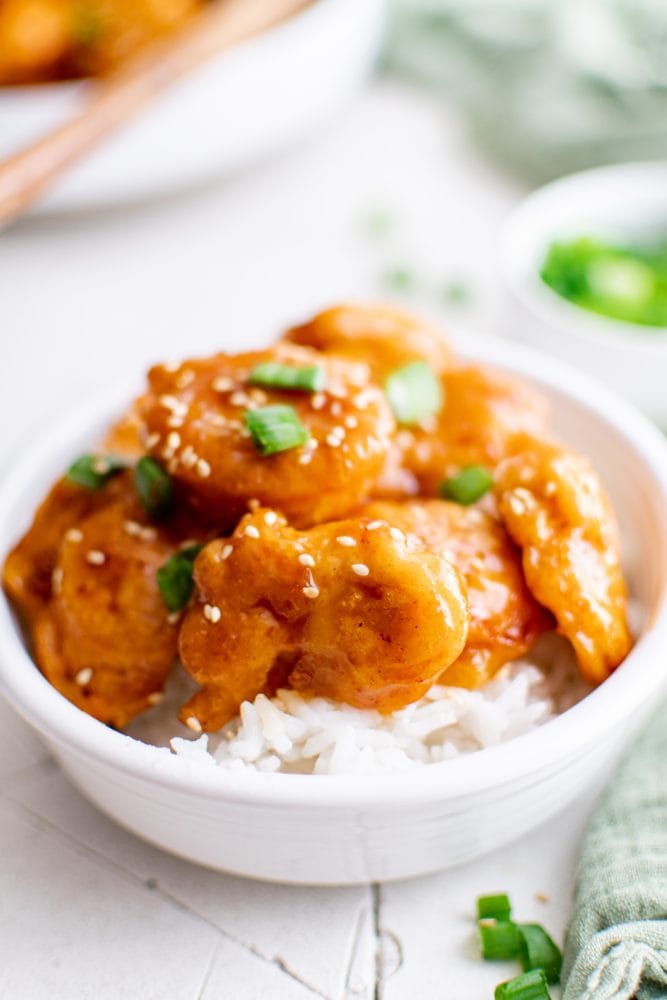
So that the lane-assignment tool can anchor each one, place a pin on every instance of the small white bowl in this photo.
(252, 101)
(334, 829)
(617, 203)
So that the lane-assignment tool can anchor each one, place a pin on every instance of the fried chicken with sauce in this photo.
(556, 510)
(505, 619)
(383, 337)
(194, 423)
(105, 638)
(349, 610)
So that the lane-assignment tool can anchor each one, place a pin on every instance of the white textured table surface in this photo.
(87, 910)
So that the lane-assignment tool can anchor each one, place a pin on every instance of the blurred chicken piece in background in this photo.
(43, 40)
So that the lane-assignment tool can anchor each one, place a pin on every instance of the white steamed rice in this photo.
(290, 733)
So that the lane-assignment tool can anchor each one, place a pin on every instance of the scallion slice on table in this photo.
(275, 428)
(154, 486)
(499, 939)
(496, 907)
(414, 392)
(174, 577)
(93, 471)
(468, 485)
(310, 378)
(539, 951)
(528, 986)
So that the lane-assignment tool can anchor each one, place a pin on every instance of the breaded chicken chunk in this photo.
(105, 638)
(505, 619)
(556, 510)
(382, 336)
(195, 423)
(351, 610)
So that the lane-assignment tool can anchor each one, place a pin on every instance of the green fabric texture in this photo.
(616, 946)
(547, 87)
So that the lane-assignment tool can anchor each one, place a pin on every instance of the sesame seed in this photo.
(374, 525)
(397, 534)
(212, 613)
(152, 440)
(258, 396)
(310, 592)
(253, 503)
(173, 617)
(95, 557)
(318, 400)
(189, 456)
(251, 531)
(74, 535)
(175, 421)
(306, 458)
(333, 440)
(170, 402)
(56, 579)
(193, 723)
(311, 444)
(203, 468)
(222, 384)
(306, 560)
(173, 440)
(101, 466)
(550, 488)
(155, 698)
(351, 422)
(361, 569)
(226, 552)
(171, 366)
(185, 378)
(336, 408)
(346, 540)
(239, 398)
(84, 676)
(270, 517)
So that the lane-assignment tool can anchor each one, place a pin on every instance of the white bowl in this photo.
(251, 101)
(334, 829)
(619, 203)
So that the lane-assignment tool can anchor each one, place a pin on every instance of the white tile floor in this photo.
(86, 910)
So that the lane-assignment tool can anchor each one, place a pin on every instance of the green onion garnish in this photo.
(174, 577)
(93, 471)
(539, 951)
(312, 378)
(154, 486)
(499, 939)
(414, 392)
(275, 428)
(468, 485)
(529, 986)
(496, 907)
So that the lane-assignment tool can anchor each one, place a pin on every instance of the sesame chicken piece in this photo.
(194, 419)
(384, 337)
(556, 510)
(482, 412)
(105, 638)
(350, 610)
(505, 619)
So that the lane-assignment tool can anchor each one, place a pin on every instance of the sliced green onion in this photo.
(414, 392)
(93, 471)
(539, 951)
(496, 907)
(468, 485)
(275, 428)
(312, 378)
(499, 939)
(174, 577)
(154, 486)
(529, 986)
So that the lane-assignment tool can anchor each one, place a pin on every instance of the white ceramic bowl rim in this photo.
(520, 758)
(539, 297)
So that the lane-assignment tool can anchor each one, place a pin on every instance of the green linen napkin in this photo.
(616, 946)
(548, 87)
